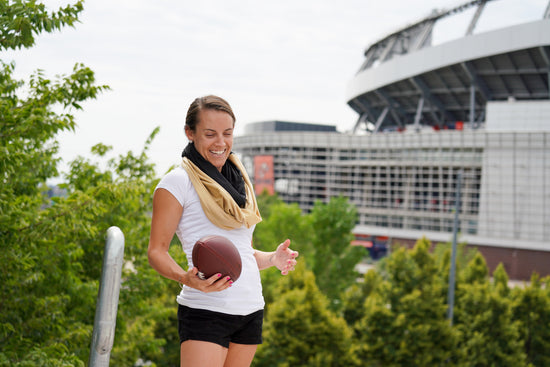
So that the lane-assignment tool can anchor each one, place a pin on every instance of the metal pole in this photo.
(107, 301)
(451, 294)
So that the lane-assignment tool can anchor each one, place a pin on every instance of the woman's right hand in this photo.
(215, 283)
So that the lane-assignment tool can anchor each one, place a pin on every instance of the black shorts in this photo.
(219, 328)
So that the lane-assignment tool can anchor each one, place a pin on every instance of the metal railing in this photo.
(107, 301)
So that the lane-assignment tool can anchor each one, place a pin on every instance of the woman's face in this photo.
(213, 136)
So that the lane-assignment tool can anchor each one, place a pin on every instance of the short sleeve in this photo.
(176, 182)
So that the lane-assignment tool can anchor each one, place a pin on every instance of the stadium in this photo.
(464, 125)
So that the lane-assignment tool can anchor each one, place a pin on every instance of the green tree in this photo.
(39, 276)
(49, 318)
(500, 281)
(489, 336)
(322, 238)
(335, 260)
(147, 307)
(531, 307)
(280, 221)
(476, 271)
(21, 21)
(354, 298)
(442, 254)
(404, 321)
(300, 329)
(52, 248)
(266, 201)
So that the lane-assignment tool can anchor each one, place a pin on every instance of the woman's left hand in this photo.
(284, 258)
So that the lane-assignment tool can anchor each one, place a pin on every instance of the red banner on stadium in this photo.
(263, 174)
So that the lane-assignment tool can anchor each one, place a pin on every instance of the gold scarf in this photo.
(217, 203)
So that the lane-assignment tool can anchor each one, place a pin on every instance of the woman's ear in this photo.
(189, 133)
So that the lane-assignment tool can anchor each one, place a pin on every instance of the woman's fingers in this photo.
(215, 283)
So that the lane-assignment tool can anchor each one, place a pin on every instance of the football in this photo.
(216, 254)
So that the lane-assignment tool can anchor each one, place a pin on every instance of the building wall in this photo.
(518, 116)
(516, 165)
(515, 186)
(519, 264)
(406, 182)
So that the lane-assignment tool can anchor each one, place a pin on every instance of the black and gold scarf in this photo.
(229, 190)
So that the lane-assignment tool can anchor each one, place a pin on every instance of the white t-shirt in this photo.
(245, 295)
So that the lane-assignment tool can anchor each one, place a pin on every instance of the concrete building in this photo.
(473, 112)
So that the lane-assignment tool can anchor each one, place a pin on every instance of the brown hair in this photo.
(209, 102)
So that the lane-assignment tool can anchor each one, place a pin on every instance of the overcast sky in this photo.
(286, 60)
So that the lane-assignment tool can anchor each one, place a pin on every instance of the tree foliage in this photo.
(334, 260)
(52, 247)
(531, 308)
(403, 319)
(21, 21)
(322, 237)
(280, 221)
(301, 330)
(489, 335)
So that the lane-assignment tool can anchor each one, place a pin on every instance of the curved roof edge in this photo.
(527, 35)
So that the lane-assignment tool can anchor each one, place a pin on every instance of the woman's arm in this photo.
(283, 258)
(167, 212)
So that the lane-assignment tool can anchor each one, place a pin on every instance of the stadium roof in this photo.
(405, 81)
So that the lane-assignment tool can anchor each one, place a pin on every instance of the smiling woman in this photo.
(219, 318)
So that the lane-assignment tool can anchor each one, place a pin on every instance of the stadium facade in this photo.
(469, 117)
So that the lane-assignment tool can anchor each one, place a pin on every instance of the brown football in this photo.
(216, 254)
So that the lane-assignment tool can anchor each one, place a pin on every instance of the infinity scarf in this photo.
(229, 190)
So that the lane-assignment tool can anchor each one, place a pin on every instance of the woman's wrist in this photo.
(180, 280)
(264, 259)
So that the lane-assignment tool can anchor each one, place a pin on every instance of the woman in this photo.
(220, 321)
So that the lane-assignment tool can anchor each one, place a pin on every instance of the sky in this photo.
(271, 60)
